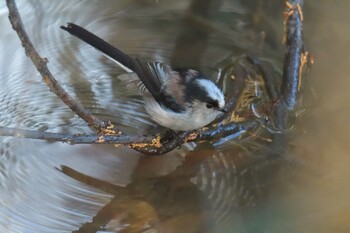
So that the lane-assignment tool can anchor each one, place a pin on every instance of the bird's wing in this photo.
(153, 75)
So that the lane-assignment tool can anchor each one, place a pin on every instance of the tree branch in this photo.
(294, 59)
(40, 64)
(293, 52)
(74, 138)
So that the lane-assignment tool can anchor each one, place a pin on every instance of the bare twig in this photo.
(40, 64)
(144, 144)
(195, 136)
(74, 138)
(293, 52)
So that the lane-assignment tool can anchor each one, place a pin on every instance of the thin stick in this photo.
(40, 64)
(74, 138)
(294, 48)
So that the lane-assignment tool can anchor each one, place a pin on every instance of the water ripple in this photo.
(38, 198)
(34, 196)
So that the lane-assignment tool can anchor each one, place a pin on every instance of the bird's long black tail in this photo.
(96, 42)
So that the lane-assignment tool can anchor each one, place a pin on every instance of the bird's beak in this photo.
(222, 110)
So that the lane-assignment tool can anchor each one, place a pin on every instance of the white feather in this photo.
(195, 117)
(119, 64)
(213, 91)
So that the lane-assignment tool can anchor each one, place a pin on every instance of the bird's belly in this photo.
(176, 121)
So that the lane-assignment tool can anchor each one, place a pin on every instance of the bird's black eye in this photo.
(209, 106)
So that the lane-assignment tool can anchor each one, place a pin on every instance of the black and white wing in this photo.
(156, 76)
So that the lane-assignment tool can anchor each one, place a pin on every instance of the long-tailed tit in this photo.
(177, 99)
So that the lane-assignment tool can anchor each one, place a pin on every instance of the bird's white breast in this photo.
(188, 120)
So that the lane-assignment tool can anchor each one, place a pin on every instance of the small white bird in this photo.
(180, 100)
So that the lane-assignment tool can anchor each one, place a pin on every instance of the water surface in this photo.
(220, 187)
